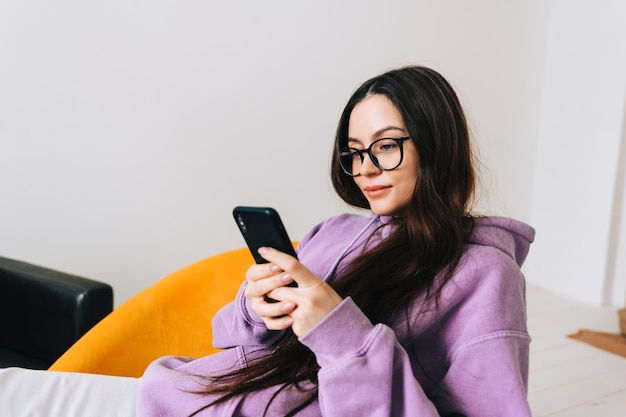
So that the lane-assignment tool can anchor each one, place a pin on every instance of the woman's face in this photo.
(387, 192)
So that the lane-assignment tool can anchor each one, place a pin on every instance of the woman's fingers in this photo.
(263, 279)
(261, 271)
(312, 305)
(275, 309)
(294, 270)
(300, 308)
(313, 299)
(274, 315)
(278, 323)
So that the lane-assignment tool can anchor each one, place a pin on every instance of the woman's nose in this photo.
(367, 166)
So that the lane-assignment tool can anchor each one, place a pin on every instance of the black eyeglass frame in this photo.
(351, 151)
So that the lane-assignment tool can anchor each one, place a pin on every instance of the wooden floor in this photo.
(570, 378)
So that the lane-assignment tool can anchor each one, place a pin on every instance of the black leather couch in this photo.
(43, 312)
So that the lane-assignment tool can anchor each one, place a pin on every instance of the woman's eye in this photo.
(352, 153)
(388, 147)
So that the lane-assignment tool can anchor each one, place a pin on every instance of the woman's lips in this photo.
(374, 191)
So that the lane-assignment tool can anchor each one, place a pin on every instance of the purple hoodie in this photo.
(468, 356)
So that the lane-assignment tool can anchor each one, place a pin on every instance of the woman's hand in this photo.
(300, 308)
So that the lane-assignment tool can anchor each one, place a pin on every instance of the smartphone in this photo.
(262, 226)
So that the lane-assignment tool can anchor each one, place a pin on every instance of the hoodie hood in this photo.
(507, 235)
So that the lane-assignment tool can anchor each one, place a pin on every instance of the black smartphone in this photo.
(262, 226)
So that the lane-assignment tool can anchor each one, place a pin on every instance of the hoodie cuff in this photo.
(345, 332)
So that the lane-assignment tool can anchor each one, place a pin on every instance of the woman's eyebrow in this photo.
(384, 130)
(378, 133)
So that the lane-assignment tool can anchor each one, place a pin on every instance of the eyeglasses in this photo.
(386, 154)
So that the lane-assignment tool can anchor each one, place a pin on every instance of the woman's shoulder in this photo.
(486, 292)
(489, 270)
(494, 254)
(338, 225)
(347, 219)
(331, 241)
(497, 237)
(488, 277)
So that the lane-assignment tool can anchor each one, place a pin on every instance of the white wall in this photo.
(129, 130)
(579, 175)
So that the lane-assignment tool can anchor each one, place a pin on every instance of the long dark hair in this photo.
(426, 244)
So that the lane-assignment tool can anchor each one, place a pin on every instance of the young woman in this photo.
(416, 310)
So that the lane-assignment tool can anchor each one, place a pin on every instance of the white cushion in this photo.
(25, 392)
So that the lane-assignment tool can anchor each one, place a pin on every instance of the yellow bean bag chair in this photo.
(172, 317)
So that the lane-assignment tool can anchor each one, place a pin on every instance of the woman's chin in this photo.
(380, 210)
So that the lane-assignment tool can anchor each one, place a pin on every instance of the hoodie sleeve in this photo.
(487, 376)
(366, 371)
